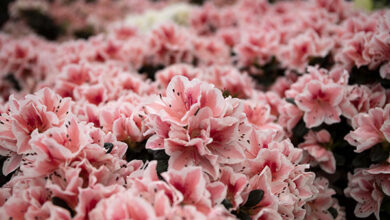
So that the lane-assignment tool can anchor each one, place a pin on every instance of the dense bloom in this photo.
(140, 109)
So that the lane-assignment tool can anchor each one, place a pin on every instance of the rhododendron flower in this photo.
(370, 128)
(289, 115)
(320, 102)
(257, 46)
(318, 208)
(123, 206)
(35, 113)
(236, 184)
(192, 185)
(171, 44)
(268, 204)
(197, 131)
(363, 189)
(54, 146)
(280, 167)
(362, 98)
(385, 70)
(184, 98)
(315, 146)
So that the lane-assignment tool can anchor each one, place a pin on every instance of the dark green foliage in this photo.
(227, 204)
(162, 166)
(323, 62)
(13, 81)
(150, 70)
(4, 179)
(378, 154)
(380, 4)
(385, 208)
(108, 147)
(333, 212)
(299, 131)
(197, 2)
(361, 160)
(158, 154)
(363, 75)
(270, 72)
(226, 93)
(243, 212)
(291, 101)
(41, 23)
(4, 15)
(137, 151)
(61, 203)
(255, 196)
(243, 216)
(84, 33)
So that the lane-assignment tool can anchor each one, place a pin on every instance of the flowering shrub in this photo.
(225, 110)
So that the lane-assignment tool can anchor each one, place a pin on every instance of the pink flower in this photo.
(163, 77)
(206, 141)
(268, 204)
(35, 113)
(315, 146)
(170, 44)
(318, 207)
(289, 115)
(362, 98)
(320, 102)
(370, 128)
(257, 47)
(355, 51)
(210, 51)
(236, 184)
(299, 49)
(229, 79)
(384, 71)
(54, 146)
(90, 197)
(184, 98)
(123, 205)
(279, 166)
(196, 126)
(192, 185)
(363, 189)
(26, 196)
(260, 116)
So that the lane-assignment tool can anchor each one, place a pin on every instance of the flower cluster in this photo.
(227, 110)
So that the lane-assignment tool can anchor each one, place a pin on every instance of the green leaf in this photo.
(159, 154)
(228, 205)
(340, 159)
(291, 100)
(162, 166)
(255, 196)
(42, 24)
(108, 147)
(84, 33)
(300, 129)
(361, 161)
(226, 93)
(61, 203)
(243, 216)
(333, 212)
(378, 154)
